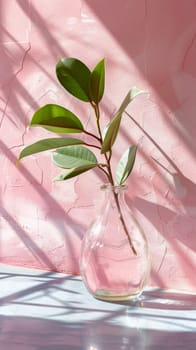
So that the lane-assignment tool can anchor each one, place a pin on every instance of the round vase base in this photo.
(112, 296)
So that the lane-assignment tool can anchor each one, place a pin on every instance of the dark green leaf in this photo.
(125, 165)
(74, 76)
(97, 82)
(67, 174)
(73, 157)
(57, 119)
(48, 144)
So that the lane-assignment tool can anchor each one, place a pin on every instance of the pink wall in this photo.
(150, 44)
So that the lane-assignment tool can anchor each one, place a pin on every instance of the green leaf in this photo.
(67, 174)
(74, 157)
(74, 76)
(130, 97)
(97, 82)
(125, 165)
(111, 133)
(57, 119)
(112, 129)
(48, 144)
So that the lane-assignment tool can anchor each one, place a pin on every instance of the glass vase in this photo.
(115, 264)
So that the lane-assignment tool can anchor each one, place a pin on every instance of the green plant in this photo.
(74, 154)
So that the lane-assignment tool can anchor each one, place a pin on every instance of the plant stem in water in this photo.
(110, 178)
(123, 223)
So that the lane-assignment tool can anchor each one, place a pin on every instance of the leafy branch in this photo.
(73, 154)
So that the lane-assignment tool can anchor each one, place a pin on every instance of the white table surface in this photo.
(42, 310)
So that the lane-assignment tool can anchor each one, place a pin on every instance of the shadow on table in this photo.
(71, 319)
(165, 299)
(162, 299)
(25, 333)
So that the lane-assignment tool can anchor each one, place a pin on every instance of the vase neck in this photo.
(112, 192)
(115, 189)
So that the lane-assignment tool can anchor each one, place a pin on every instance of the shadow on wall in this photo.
(162, 46)
(14, 94)
(53, 207)
(164, 56)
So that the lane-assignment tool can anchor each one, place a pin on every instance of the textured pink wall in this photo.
(150, 44)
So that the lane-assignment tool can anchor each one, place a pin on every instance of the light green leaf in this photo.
(57, 119)
(111, 133)
(112, 129)
(125, 165)
(48, 144)
(74, 76)
(130, 97)
(97, 82)
(67, 174)
(73, 157)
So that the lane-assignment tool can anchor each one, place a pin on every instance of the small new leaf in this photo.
(125, 165)
(68, 174)
(74, 76)
(48, 144)
(97, 82)
(73, 157)
(57, 119)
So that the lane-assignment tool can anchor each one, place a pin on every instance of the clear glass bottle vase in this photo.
(115, 262)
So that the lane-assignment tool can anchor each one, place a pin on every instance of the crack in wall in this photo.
(15, 75)
(162, 259)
